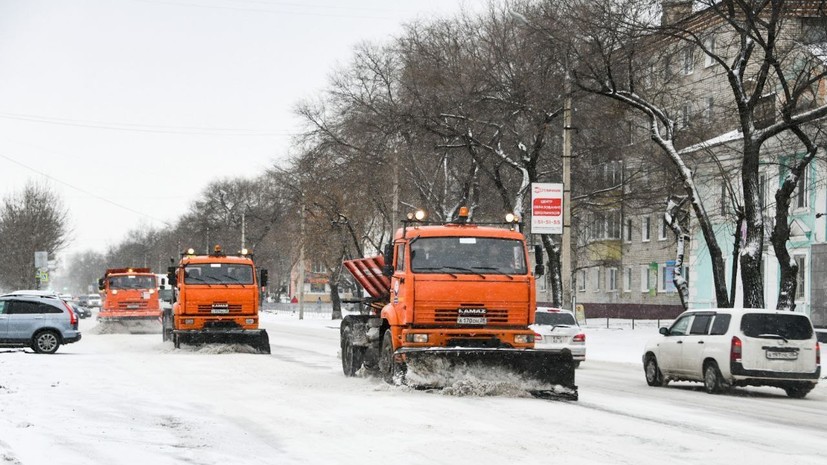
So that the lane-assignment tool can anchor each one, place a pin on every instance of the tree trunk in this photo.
(736, 251)
(335, 301)
(553, 251)
(671, 217)
(752, 277)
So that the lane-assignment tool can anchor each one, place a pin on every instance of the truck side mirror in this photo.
(539, 269)
(387, 270)
(101, 284)
(171, 278)
(263, 276)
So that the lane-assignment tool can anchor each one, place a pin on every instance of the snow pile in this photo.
(121, 327)
(209, 349)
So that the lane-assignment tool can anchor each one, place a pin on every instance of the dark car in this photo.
(37, 321)
(81, 311)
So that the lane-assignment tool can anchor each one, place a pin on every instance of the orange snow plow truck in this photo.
(216, 300)
(451, 302)
(130, 297)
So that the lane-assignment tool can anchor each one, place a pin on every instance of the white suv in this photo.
(736, 347)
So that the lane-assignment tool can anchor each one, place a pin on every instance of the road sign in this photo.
(41, 260)
(546, 208)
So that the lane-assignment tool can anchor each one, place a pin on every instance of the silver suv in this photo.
(37, 321)
(728, 347)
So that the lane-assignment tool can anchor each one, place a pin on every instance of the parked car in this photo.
(728, 347)
(556, 329)
(81, 311)
(93, 301)
(40, 322)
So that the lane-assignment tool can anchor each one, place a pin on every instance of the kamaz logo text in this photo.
(471, 311)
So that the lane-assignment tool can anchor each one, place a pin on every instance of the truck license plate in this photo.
(221, 310)
(472, 320)
(132, 306)
(775, 355)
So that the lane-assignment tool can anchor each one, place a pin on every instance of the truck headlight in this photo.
(189, 321)
(249, 321)
(415, 337)
(523, 338)
(114, 291)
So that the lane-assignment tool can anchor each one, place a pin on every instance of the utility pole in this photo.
(301, 264)
(243, 246)
(565, 247)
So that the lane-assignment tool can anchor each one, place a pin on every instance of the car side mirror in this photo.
(100, 284)
(539, 270)
(263, 276)
(664, 331)
(171, 278)
(387, 270)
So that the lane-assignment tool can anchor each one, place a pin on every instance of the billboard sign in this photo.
(546, 208)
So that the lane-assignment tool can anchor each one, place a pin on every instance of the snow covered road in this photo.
(131, 399)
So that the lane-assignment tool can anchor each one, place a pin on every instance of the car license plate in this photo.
(556, 339)
(472, 320)
(776, 355)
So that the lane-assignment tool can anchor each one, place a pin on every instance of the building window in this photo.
(709, 45)
(644, 278)
(709, 107)
(317, 268)
(765, 111)
(611, 279)
(801, 278)
(597, 279)
(724, 198)
(667, 67)
(317, 288)
(762, 190)
(581, 281)
(800, 196)
(645, 229)
(686, 115)
(688, 61)
(627, 230)
(663, 228)
(627, 279)
(613, 226)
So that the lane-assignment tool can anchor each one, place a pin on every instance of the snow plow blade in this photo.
(128, 325)
(257, 338)
(544, 374)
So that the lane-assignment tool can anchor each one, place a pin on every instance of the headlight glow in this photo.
(523, 338)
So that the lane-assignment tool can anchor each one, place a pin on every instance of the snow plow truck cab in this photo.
(130, 297)
(448, 299)
(216, 300)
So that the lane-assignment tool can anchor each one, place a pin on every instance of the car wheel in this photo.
(798, 391)
(386, 357)
(654, 377)
(46, 342)
(713, 381)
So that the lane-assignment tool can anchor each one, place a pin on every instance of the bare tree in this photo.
(31, 220)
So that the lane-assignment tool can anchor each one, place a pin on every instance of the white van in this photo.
(728, 347)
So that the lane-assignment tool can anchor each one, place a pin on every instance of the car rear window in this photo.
(771, 326)
(543, 318)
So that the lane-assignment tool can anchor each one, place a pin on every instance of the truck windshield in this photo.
(132, 282)
(220, 273)
(468, 255)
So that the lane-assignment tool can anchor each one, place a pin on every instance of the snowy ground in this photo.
(131, 399)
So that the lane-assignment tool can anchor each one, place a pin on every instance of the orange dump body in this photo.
(130, 294)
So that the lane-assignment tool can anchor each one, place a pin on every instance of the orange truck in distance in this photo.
(449, 301)
(130, 297)
(216, 300)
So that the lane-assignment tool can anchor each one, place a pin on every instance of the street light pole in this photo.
(565, 247)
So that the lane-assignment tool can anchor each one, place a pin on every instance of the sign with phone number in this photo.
(546, 208)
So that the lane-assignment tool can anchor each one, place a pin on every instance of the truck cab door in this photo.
(4, 321)
(397, 292)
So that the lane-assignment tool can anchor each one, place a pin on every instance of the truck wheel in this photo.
(176, 341)
(352, 356)
(46, 342)
(386, 357)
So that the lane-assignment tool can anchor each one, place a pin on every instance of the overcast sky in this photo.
(129, 108)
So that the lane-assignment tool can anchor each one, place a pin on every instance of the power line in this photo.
(84, 191)
(137, 127)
